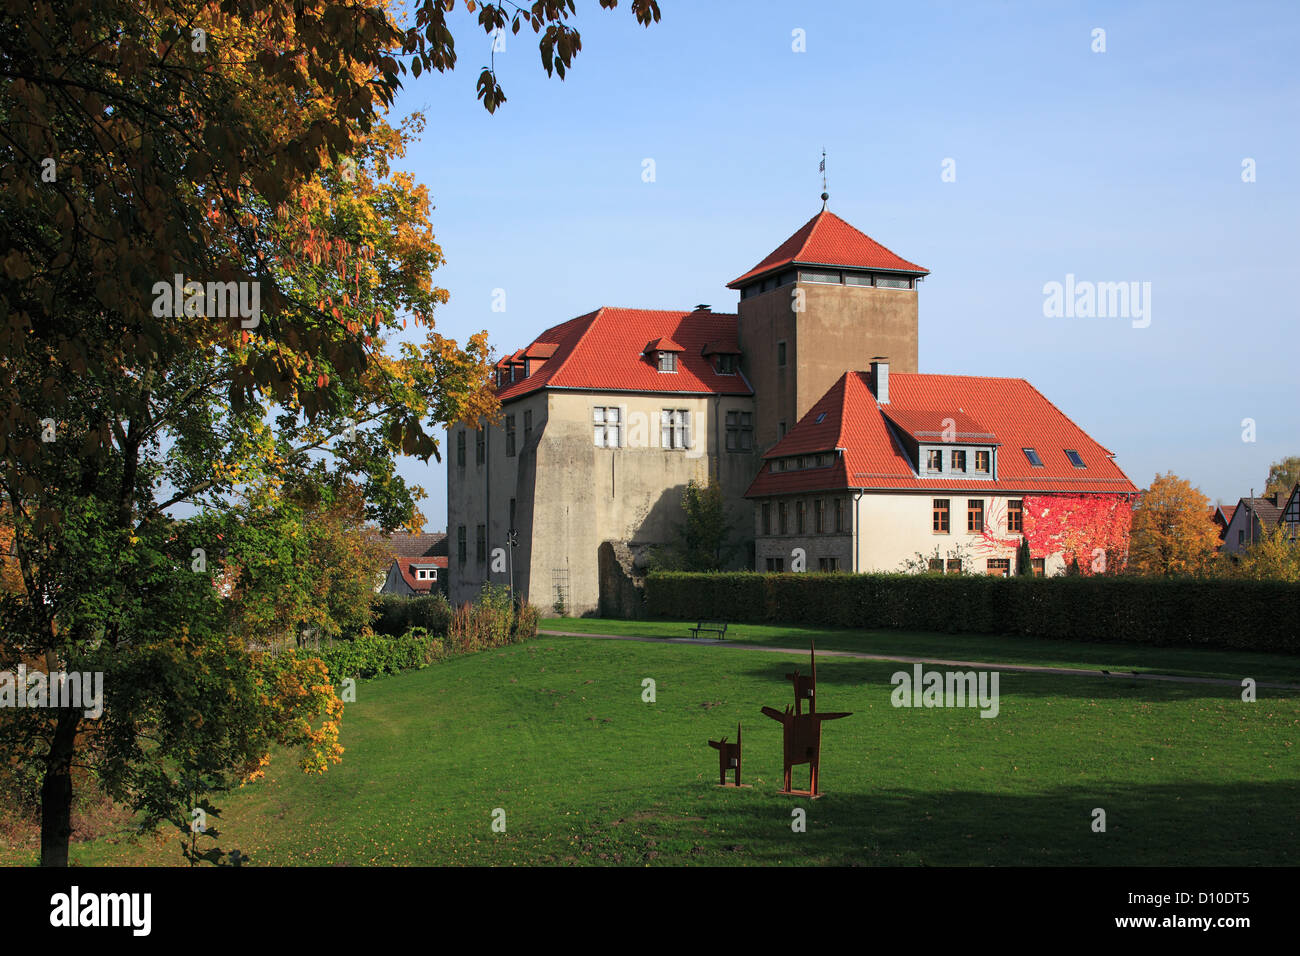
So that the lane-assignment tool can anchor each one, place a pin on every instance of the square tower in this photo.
(828, 300)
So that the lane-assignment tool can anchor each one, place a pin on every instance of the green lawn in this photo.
(1279, 668)
(556, 734)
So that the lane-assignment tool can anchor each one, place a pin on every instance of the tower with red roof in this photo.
(828, 299)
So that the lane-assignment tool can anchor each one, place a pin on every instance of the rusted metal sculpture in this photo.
(802, 733)
(728, 759)
(805, 686)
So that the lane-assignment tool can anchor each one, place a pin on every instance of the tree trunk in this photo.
(56, 791)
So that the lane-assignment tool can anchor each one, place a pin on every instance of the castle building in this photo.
(832, 450)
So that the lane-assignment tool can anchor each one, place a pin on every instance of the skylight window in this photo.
(1032, 455)
(821, 417)
(1074, 457)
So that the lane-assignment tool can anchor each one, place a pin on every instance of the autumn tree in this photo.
(297, 565)
(11, 579)
(1172, 529)
(1274, 555)
(1282, 476)
(206, 253)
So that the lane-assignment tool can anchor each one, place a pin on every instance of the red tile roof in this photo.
(404, 543)
(605, 350)
(406, 566)
(1013, 411)
(827, 240)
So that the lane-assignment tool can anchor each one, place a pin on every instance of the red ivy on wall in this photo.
(1070, 525)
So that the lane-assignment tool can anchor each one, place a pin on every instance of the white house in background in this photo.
(947, 471)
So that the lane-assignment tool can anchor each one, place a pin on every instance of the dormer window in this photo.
(982, 462)
(959, 461)
(663, 352)
(727, 364)
(426, 574)
(934, 460)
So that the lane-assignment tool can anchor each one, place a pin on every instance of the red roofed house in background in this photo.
(808, 406)
(419, 565)
(1221, 515)
(955, 469)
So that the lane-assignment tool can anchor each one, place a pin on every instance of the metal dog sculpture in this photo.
(728, 758)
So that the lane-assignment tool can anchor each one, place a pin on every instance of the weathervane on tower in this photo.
(825, 194)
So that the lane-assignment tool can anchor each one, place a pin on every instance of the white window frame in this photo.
(604, 426)
(675, 429)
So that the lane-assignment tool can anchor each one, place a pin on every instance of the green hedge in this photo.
(1166, 612)
(370, 655)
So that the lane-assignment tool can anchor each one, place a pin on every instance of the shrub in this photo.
(493, 621)
(489, 622)
(432, 613)
(369, 655)
(394, 615)
(525, 626)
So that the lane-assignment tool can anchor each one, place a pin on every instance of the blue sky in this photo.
(1115, 166)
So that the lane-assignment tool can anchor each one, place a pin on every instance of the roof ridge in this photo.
(844, 402)
(988, 378)
(638, 308)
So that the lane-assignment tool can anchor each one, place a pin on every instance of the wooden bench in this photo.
(716, 627)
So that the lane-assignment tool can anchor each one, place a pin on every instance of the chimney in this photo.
(880, 378)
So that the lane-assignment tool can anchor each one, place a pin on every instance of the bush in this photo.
(395, 615)
(369, 655)
(1166, 612)
(526, 619)
(432, 613)
(493, 621)
(490, 622)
